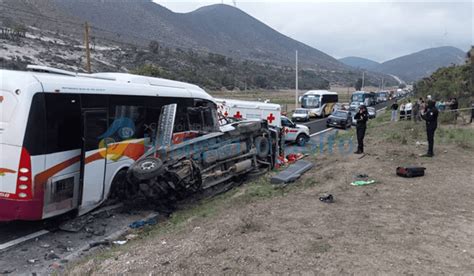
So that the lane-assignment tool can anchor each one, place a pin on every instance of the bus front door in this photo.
(93, 158)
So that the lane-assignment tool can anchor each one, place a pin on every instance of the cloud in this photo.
(379, 30)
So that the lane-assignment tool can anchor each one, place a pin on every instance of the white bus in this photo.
(319, 102)
(67, 138)
(363, 98)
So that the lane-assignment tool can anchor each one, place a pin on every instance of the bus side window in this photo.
(126, 118)
(63, 122)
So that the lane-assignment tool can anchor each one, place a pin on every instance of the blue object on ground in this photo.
(140, 223)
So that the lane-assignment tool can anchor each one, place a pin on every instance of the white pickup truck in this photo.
(249, 110)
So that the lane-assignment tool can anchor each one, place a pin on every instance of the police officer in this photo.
(361, 118)
(431, 117)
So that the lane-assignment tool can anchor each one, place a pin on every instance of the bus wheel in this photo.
(120, 188)
(147, 168)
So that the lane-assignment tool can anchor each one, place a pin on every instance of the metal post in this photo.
(363, 80)
(88, 52)
(296, 82)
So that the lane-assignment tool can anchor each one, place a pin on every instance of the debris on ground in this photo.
(410, 171)
(99, 243)
(131, 236)
(140, 223)
(120, 242)
(77, 224)
(362, 182)
(327, 198)
(292, 173)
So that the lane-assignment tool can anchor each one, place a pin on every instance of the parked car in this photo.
(340, 118)
(300, 114)
(372, 112)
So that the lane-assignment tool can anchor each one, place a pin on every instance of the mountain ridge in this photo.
(359, 62)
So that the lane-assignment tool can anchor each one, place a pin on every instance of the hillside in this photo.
(218, 28)
(421, 64)
(358, 62)
(147, 32)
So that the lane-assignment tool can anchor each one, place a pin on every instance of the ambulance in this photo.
(252, 110)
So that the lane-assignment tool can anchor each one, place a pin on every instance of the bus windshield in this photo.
(358, 97)
(310, 101)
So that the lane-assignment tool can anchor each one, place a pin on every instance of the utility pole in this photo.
(363, 80)
(88, 50)
(296, 81)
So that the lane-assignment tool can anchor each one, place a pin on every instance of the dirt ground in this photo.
(421, 225)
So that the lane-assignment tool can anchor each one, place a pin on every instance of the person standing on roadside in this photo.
(408, 109)
(454, 106)
(361, 118)
(394, 109)
(422, 108)
(416, 111)
(431, 117)
(402, 111)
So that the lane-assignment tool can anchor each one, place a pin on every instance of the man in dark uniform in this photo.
(431, 117)
(361, 118)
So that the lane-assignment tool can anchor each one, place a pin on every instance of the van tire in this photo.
(263, 146)
(147, 168)
(301, 140)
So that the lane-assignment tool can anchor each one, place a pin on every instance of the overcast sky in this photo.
(379, 30)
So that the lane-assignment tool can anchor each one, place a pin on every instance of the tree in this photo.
(358, 85)
(402, 85)
(154, 47)
(261, 82)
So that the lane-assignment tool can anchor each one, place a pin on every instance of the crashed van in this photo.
(211, 158)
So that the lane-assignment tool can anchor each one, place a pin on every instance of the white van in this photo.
(249, 110)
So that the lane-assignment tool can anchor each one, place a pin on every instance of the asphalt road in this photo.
(319, 124)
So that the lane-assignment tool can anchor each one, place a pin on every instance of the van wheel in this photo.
(147, 168)
(263, 146)
(301, 140)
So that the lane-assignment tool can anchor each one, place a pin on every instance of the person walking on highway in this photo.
(361, 118)
(394, 109)
(430, 115)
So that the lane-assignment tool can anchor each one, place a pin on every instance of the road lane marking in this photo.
(23, 239)
(322, 131)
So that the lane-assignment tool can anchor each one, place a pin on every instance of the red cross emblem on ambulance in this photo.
(271, 118)
(238, 115)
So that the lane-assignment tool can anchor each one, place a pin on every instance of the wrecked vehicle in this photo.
(67, 141)
(204, 159)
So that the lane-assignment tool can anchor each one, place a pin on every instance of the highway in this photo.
(318, 125)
